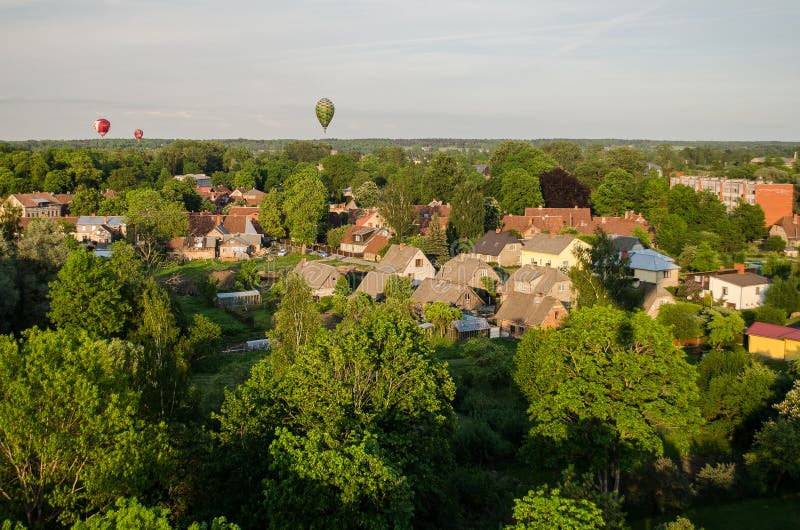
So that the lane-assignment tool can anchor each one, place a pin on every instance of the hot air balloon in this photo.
(138, 133)
(102, 125)
(324, 112)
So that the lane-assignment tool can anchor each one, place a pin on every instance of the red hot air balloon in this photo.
(138, 133)
(102, 125)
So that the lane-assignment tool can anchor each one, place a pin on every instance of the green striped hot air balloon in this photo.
(324, 112)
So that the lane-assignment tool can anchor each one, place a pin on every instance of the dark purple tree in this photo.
(562, 190)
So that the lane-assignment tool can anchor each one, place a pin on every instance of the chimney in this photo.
(624, 255)
(722, 267)
(739, 268)
(496, 230)
(105, 219)
(218, 219)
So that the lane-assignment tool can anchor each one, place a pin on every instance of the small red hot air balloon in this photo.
(102, 125)
(138, 133)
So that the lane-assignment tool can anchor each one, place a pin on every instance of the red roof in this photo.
(773, 331)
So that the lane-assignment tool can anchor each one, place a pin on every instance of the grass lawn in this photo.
(234, 330)
(775, 512)
(211, 376)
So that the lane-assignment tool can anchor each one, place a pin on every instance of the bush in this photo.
(716, 481)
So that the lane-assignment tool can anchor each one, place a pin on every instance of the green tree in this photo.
(397, 289)
(749, 220)
(58, 181)
(775, 452)
(547, 509)
(397, 209)
(492, 214)
(367, 195)
(683, 318)
(705, 258)
(725, 328)
(70, 442)
(305, 205)
(87, 295)
(441, 315)
(85, 201)
(296, 321)
(335, 235)
(270, 214)
(519, 190)
(128, 513)
(468, 210)
(605, 389)
(441, 177)
(183, 192)
(616, 195)
(152, 221)
(338, 172)
(436, 242)
(784, 294)
(774, 244)
(566, 154)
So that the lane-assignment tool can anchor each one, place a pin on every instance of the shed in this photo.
(468, 327)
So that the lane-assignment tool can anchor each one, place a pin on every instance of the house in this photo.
(370, 217)
(521, 312)
(521, 224)
(193, 247)
(234, 248)
(374, 247)
(238, 299)
(788, 229)
(533, 280)
(457, 295)
(253, 197)
(655, 296)
(773, 341)
(469, 271)
(35, 204)
(357, 238)
(100, 229)
(498, 247)
(373, 285)
(743, 290)
(405, 260)
(428, 212)
(250, 212)
(551, 250)
(246, 228)
(653, 267)
(217, 195)
(320, 278)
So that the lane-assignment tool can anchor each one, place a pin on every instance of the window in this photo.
(466, 296)
(561, 287)
(758, 290)
(418, 262)
(724, 291)
(667, 274)
(484, 274)
(512, 246)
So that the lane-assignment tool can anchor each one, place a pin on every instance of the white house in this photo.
(743, 290)
(405, 260)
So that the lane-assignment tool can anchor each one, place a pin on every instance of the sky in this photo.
(202, 69)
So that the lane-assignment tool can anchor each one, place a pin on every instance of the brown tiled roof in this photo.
(376, 244)
(63, 198)
(791, 226)
(519, 223)
(622, 226)
(249, 211)
(543, 277)
(552, 224)
(201, 224)
(574, 217)
(373, 284)
(30, 200)
(316, 274)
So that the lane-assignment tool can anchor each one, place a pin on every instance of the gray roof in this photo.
(316, 274)
(436, 290)
(470, 323)
(527, 310)
(492, 243)
(626, 243)
(234, 241)
(373, 284)
(650, 260)
(748, 279)
(548, 243)
(238, 294)
(113, 221)
(543, 277)
(397, 258)
(462, 269)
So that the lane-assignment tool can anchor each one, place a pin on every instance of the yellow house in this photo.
(773, 341)
(546, 250)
